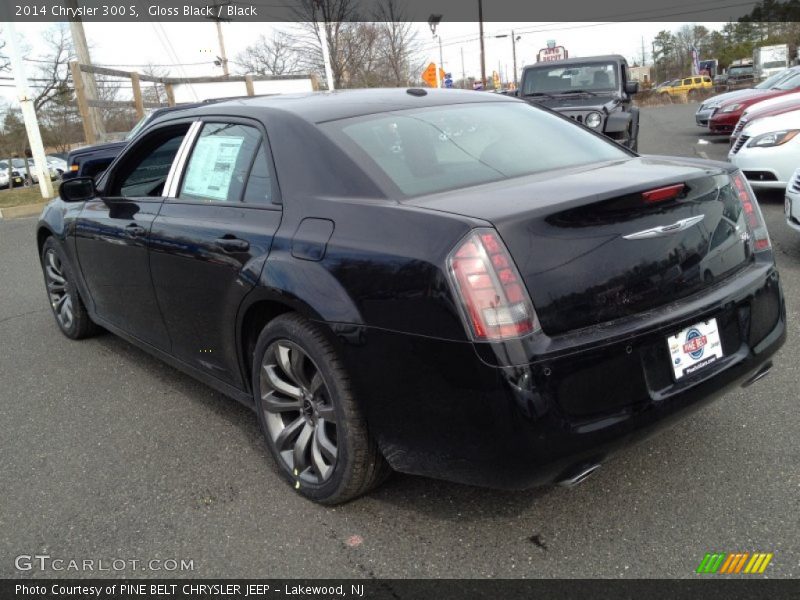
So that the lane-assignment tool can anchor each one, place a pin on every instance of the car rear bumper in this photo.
(443, 411)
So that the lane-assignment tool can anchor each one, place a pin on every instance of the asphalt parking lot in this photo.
(109, 454)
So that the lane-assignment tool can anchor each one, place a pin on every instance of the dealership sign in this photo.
(551, 53)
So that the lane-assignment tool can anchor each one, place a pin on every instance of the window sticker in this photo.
(211, 167)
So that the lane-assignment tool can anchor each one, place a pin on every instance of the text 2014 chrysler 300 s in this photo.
(453, 284)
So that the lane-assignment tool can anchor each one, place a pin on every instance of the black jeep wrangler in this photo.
(594, 91)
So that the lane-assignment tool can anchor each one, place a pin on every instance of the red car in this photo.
(724, 120)
(792, 102)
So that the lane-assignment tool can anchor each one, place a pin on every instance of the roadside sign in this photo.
(448, 80)
(429, 74)
(554, 53)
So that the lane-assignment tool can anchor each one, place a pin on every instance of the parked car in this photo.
(593, 90)
(58, 164)
(710, 106)
(16, 179)
(688, 87)
(725, 118)
(767, 108)
(768, 150)
(793, 201)
(456, 285)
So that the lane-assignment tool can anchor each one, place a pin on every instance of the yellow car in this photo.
(688, 87)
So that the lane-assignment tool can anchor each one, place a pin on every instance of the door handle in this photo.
(230, 243)
(135, 230)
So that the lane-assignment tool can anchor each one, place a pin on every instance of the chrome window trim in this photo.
(173, 177)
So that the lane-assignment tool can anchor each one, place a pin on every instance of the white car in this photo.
(59, 165)
(793, 201)
(768, 150)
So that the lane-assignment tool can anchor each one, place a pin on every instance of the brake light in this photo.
(662, 194)
(753, 217)
(493, 298)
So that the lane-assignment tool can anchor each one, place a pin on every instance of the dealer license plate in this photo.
(694, 348)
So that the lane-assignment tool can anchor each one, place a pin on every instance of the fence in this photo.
(216, 87)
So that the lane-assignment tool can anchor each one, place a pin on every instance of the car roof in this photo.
(579, 61)
(319, 107)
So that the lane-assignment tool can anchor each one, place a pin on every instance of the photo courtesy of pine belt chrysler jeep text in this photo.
(453, 284)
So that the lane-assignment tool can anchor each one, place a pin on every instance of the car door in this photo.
(112, 235)
(211, 239)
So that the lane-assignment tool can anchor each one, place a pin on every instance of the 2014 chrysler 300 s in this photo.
(453, 284)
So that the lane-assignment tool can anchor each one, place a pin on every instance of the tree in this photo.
(398, 44)
(53, 71)
(274, 56)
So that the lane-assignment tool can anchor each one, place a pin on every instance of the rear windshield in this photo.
(429, 150)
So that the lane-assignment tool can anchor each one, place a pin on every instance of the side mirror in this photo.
(77, 190)
(631, 87)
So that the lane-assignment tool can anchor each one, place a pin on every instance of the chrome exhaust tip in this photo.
(579, 476)
(760, 374)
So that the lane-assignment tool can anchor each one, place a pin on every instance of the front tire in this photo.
(309, 416)
(68, 309)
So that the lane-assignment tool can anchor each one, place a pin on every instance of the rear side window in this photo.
(428, 150)
(687, 82)
(707, 79)
(259, 184)
(220, 160)
(698, 80)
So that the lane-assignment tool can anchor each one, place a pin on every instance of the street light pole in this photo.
(514, 39)
(483, 53)
(433, 23)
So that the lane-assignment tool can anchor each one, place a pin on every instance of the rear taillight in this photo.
(755, 220)
(493, 297)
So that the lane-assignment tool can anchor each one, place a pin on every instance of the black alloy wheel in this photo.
(306, 405)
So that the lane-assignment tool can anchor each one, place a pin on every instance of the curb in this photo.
(26, 210)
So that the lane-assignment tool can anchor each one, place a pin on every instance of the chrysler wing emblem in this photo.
(665, 229)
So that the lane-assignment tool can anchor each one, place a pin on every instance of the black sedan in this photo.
(445, 283)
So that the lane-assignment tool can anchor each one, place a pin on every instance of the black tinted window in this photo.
(259, 185)
(429, 150)
(220, 160)
(147, 170)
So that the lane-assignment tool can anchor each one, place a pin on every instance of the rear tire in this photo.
(311, 421)
(69, 311)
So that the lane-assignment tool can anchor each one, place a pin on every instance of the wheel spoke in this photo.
(274, 404)
(316, 384)
(327, 413)
(54, 275)
(56, 286)
(289, 433)
(298, 361)
(323, 442)
(317, 460)
(300, 454)
(280, 385)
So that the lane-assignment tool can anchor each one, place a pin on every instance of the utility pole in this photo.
(463, 72)
(483, 54)
(29, 114)
(222, 59)
(89, 84)
(643, 57)
(514, 39)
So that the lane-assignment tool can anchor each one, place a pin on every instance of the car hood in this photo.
(576, 101)
(97, 148)
(753, 97)
(721, 98)
(787, 120)
(776, 103)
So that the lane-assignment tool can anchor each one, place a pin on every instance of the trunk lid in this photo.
(591, 250)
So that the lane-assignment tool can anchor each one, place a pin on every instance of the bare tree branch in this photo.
(274, 56)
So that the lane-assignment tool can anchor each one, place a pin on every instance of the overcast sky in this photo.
(167, 43)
